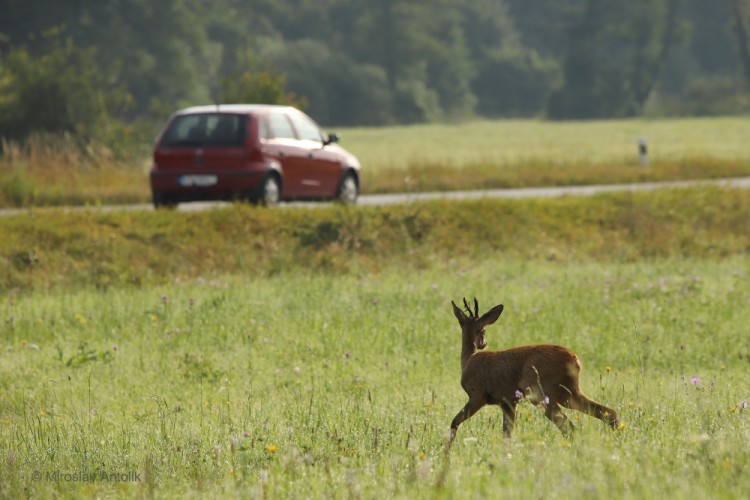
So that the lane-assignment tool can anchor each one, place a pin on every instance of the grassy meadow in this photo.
(478, 154)
(313, 353)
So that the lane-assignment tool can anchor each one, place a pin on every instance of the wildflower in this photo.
(519, 394)
(375, 301)
(743, 405)
(114, 348)
(434, 286)
(621, 426)
(347, 355)
(695, 380)
(271, 448)
(609, 369)
(713, 384)
(546, 400)
(164, 299)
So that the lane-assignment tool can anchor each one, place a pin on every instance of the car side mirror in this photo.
(332, 137)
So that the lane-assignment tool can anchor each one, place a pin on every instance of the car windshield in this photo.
(205, 130)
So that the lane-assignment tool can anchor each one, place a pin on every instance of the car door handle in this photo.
(282, 154)
(309, 156)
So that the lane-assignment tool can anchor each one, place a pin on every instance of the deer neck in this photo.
(467, 350)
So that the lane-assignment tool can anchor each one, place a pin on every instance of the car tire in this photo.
(161, 201)
(348, 189)
(269, 192)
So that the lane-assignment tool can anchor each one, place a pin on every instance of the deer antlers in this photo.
(476, 308)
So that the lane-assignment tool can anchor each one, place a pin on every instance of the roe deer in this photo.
(547, 374)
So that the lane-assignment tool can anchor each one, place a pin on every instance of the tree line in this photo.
(98, 67)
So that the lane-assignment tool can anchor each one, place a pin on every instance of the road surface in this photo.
(390, 199)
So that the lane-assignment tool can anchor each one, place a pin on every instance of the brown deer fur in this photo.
(543, 374)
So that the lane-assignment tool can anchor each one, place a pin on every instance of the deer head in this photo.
(472, 325)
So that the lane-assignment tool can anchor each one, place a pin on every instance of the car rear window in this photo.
(206, 129)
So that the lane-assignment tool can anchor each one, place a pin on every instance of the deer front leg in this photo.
(466, 413)
(509, 418)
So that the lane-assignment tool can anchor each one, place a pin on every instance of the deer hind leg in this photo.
(554, 413)
(466, 413)
(583, 404)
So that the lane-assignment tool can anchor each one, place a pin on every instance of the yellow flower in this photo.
(42, 413)
(80, 318)
(609, 369)
(271, 448)
(621, 426)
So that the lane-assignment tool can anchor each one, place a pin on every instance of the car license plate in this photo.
(198, 180)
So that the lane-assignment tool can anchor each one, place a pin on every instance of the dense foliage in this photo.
(71, 66)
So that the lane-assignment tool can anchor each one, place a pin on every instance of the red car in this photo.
(260, 153)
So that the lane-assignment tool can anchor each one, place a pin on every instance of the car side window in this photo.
(306, 128)
(280, 127)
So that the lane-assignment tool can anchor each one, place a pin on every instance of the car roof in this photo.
(232, 108)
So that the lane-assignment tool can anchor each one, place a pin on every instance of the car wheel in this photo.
(348, 190)
(160, 201)
(270, 191)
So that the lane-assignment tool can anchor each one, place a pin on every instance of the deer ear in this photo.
(490, 316)
(460, 316)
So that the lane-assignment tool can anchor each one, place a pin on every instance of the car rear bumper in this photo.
(215, 185)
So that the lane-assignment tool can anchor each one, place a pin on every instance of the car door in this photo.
(283, 145)
(320, 169)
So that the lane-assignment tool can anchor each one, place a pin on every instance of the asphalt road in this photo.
(390, 199)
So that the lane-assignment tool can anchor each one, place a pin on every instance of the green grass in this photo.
(54, 249)
(245, 352)
(322, 385)
(478, 154)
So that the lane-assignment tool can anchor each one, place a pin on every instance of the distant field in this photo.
(572, 145)
(471, 155)
(523, 153)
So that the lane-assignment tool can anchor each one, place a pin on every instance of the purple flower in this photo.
(743, 405)
(546, 400)
(695, 380)
(164, 299)
(519, 394)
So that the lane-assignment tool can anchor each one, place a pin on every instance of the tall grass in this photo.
(57, 170)
(479, 154)
(55, 249)
(320, 385)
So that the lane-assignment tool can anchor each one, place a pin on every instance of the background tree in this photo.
(371, 62)
(61, 91)
(615, 55)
